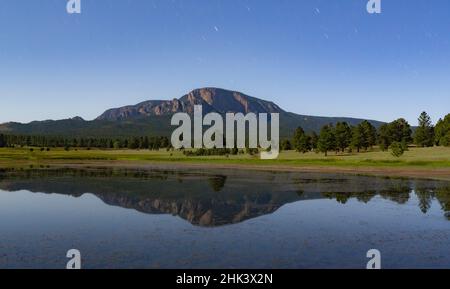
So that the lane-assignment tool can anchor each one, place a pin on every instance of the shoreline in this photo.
(442, 174)
(422, 163)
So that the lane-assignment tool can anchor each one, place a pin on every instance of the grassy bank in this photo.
(431, 163)
(437, 157)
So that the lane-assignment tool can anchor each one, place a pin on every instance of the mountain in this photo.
(212, 100)
(211, 198)
(153, 117)
(205, 199)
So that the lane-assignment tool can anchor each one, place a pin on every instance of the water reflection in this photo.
(219, 198)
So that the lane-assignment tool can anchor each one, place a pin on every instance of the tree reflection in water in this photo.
(193, 195)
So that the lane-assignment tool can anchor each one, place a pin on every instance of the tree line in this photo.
(396, 136)
(341, 137)
(153, 143)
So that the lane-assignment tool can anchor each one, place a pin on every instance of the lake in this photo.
(120, 218)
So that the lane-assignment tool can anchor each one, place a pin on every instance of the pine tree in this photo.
(314, 140)
(369, 134)
(442, 131)
(384, 137)
(424, 134)
(286, 145)
(400, 131)
(304, 144)
(358, 141)
(327, 140)
(343, 135)
(299, 133)
(397, 149)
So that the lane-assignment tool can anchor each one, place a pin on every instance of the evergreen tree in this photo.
(397, 149)
(304, 145)
(384, 137)
(286, 145)
(116, 145)
(400, 131)
(165, 142)
(442, 131)
(343, 135)
(369, 134)
(424, 134)
(358, 139)
(298, 134)
(301, 142)
(327, 140)
(314, 140)
(133, 143)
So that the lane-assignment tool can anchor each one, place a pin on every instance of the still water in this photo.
(220, 219)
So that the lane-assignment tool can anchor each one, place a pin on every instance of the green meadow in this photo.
(435, 157)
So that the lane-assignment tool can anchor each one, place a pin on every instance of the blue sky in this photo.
(316, 57)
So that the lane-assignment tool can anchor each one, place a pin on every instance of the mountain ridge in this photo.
(152, 117)
(212, 99)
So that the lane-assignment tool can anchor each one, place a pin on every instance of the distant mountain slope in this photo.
(151, 126)
(153, 117)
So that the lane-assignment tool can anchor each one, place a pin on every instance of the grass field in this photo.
(437, 157)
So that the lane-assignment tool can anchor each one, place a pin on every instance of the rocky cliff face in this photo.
(212, 100)
(205, 213)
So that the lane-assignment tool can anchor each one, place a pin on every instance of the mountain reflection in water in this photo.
(219, 198)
